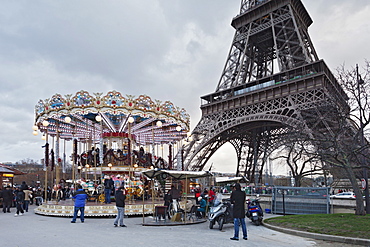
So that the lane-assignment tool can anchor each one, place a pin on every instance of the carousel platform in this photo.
(96, 209)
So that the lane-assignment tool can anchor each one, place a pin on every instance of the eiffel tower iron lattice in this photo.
(272, 85)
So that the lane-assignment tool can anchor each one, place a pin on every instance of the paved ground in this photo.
(31, 230)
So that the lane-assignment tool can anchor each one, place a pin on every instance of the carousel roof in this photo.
(160, 173)
(85, 117)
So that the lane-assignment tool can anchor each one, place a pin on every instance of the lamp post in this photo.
(45, 123)
(362, 142)
(130, 121)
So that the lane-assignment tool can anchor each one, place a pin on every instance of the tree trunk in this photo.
(360, 209)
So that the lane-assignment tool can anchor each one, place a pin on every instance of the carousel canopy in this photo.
(158, 173)
(231, 179)
(89, 117)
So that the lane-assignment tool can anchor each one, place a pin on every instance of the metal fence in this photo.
(300, 200)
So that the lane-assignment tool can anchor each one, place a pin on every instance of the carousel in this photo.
(93, 137)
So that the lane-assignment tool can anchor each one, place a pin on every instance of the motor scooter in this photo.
(255, 212)
(221, 213)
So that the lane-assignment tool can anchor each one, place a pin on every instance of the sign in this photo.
(363, 183)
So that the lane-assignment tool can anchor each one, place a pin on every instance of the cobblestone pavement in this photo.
(31, 230)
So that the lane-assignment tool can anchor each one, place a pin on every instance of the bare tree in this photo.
(345, 147)
(302, 159)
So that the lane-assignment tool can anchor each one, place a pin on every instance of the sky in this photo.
(167, 49)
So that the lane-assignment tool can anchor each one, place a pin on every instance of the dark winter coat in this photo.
(7, 195)
(120, 198)
(109, 184)
(19, 196)
(238, 199)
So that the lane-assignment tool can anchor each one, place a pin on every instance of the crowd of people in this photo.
(20, 197)
(23, 195)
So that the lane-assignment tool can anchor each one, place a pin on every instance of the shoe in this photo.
(16, 215)
(234, 238)
(73, 221)
(20, 214)
(123, 226)
(115, 225)
(82, 221)
(245, 238)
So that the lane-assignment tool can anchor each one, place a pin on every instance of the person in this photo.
(7, 195)
(201, 211)
(108, 186)
(175, 195)
(27, 198)
(167, 198)
(197, 193)
(212, 196)
(80, 198)
(238, 199)
(167, 201)
(19, 200)
(120, 204)
(24, 186)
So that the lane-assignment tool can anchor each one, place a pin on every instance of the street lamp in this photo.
(362, 142)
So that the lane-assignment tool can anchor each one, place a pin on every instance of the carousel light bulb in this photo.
(98, 118)
(35, 127)
(159, 123)
(67, 119)
(190, 139)
(45, 123)
(110, 165)
(178, 128)
(131, 119)
(136, 166)
(35, 133)
(87, 165)
(188, 134)
(43, 137)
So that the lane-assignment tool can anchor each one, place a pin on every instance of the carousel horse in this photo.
(57, 192)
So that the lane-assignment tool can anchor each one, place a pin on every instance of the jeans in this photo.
(107, 193)
(240, 221)
(6, 206)
(120, 215)
(25, 205)
(82, 214)
(19, 207)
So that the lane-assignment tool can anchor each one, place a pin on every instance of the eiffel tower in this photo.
(273, 85)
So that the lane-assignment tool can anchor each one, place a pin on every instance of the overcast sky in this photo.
(167, 49)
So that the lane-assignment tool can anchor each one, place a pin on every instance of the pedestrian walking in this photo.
(238, 199)
(8, 196)
(27, 198)
(80, 198)
(19, 201)
(120, 204)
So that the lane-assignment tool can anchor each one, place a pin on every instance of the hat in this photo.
(200, 198)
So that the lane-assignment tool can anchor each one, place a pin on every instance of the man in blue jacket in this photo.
(80, 198)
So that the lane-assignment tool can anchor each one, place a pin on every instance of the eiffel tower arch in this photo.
(273, 86)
